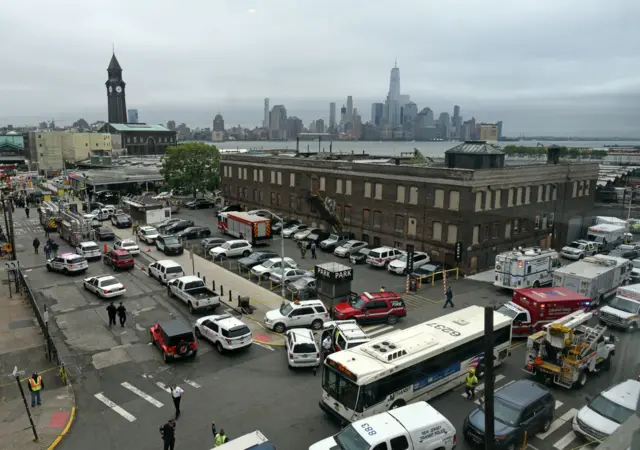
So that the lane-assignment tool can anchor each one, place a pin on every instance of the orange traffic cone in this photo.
(142, 268)
(148, 249)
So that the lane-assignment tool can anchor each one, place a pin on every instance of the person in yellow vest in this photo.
(221, 438)
(35, 386)
(471, 382)
(382, 290)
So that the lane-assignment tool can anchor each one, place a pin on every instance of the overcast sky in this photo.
(541, 66)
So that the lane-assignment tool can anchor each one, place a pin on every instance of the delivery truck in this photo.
(242, 225)
(597, 277)
(606, 236)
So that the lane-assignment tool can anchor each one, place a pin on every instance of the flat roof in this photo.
(556, 294)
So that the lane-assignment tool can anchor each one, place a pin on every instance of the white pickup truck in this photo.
(192, 290)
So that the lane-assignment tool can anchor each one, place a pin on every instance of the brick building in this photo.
(474, 199)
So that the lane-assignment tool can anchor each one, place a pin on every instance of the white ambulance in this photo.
(623, 311)
(525, 268)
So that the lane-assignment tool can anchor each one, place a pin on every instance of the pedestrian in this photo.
(221, 438)
(26, 211)
(46, 231)
(134, 228)
(214, 430)
(36, 244)
(470, 384)
(168, 433)
(54, 247)
(303, 249)
(35, 386)
(111, 311)
(449, 294)
(313, 250)
(122, 314)
(382, 289)
(176, 396)
(326, 346)
(47, 251)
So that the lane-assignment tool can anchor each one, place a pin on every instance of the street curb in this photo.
(65, 430)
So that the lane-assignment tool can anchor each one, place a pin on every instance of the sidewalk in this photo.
(22, 346)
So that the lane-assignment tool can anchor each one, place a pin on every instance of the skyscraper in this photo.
(265, 121)
(409, 114)
(499, 125)
(332, 116)
(393, 103)
(319, 126)
(456, 122)
(218, 123)
(343, 115)
(133, 116)
(444, 126)
(349, 109)
(278, 123)
(377, 113)
(171, 125)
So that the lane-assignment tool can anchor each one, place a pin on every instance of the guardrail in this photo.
(443, 273)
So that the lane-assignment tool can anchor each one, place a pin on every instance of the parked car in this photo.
(92, 206)
(278, 277)
(360, 257)
(383, 256)
(429, 271)
(105, 234)
(193, 292)
(255, 259)
(174, 339)
(317, 237)
(302, 289)
(67, 263)
(336, 240)
(104, 286)
(288, 232)
(178, 226)
(128, 245)
(225, 332)
(349, 248)
(169, 245)
(166, 222)
(265, 269)
(301, 348)
(229, 208)
(121, 221)
(207, 244)
(89, 250)
(399, 266)
(148, 234)
(229, 249)
(118, 258)
(95, 224)
(200, 203)
(194, 233)
(301, 235)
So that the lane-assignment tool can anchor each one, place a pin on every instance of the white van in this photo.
(165, 270)
(417, 426)
(624, 310)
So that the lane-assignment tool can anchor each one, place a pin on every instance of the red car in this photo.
(175, 339)
(118, 259)
(372, 307)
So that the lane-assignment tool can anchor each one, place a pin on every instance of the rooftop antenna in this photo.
(395, 64)
(113, 48)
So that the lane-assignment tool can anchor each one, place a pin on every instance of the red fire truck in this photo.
(531, 308)
(241, 225)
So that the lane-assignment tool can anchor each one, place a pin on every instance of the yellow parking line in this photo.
(518, 344)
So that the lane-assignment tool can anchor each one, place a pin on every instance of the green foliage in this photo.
(565, 152)
(192, 167)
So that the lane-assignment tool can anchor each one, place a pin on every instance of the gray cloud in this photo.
(565, 67)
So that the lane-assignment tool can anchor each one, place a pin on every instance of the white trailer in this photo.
(525, 267)
(596, 277)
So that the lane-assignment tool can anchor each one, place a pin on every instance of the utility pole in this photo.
(17, 373)
(489, 430)
(11, 236)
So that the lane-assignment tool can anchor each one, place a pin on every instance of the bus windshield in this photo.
(339, 388)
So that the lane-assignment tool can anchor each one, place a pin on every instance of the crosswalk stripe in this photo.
(380, 331)
(163, 386)
(566, 440)
(558, 404)
(480, 387)
(558, 423)
(371, 327)
(143, 395)
(193, 384)
(115, 407)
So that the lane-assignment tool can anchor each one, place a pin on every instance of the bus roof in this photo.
(403, 348)
(550, 294)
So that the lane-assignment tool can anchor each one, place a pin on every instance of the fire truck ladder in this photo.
(583, 343)
(80, 227)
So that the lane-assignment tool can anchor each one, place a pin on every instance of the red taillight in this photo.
(73, 265)
(317, 355)
(326, 315)
(455, 439)
(105, 291)
(228, 340)
(290, 355)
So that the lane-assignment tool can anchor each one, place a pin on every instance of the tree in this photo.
(192, 167)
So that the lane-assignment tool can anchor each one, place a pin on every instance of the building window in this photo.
(292, 179)
(347, 187)
(367, 189)
(580, 186)
(280, 178)
(273, 177)
(454, 200)
(478, 201)
(519, 196)
(239, 192)
(486, 232)
(377, 219)
(547, 196)
(366, 218)
(239, 173)
(400, 194)
(515, 226)
(244, 173)
(436, 233)
(551, 217)
(554, 192)
(412, 226)
(255, 195)
(323, 182)
(540, 193)
(507, 230)
(586, 188)
(255, 174)
(338, 186)
(261, 196)
(399, 224)
(497, 199)
(273, 198)
(487, 203)
(452, 234)
(495, 231)
(261, 176)
(510, 197)
(475, 239)
(544, 221)
(292, 202)
(438, 200)
(413, 195)
(378, 191)
(278, 199)
(575, 189)
(347, 214)
(527, 195)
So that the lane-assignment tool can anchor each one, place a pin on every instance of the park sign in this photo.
(333, 272)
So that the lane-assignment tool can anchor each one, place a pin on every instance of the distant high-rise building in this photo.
(499, 125)
(294, 127)
(394, 101)
(488, 132)
(265, 121)
(332, 116)
(171, 125)
(409, 114)
(278, 123)
(133, 115)
(377, 113)
(349, 109)
(218, 123)
(320, 126)
(444, 126)
(343, 115)
(456, 122)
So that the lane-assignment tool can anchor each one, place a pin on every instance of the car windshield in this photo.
(350, 439)
(108, 282)
(225, 246)
(429, 268)
(636, 263)
(403, 258)
(174, 269)
(340, 389)
(90, 248)
(625, 305)
(125, 257)
(576, 245)
(122, 217)
(505, 412)
(286, 309)
(358, 303)
(333, 237)
(171, 240)
(610, 410)
(150, 231)
(364, 251)
(128, 244)
(507, 311)
(105, 230)
(300, 284)
(236, 332)
(277, 272)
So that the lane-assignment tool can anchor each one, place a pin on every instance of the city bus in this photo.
(416, 363)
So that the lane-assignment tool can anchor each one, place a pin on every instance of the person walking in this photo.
(470, 384)
(303, 249)
(122, 314)
(221, 438)
(168, 433)
(111, 311)
(47, 251)
(176, 396)
(46, 231)
(313, 250)
(54, 248)
(26, 211)
(36, 244)
(449, 295)
(214, 430)
(35, 386)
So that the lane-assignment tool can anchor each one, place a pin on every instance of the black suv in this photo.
(255, 259)
(169, 245)
(519, 408)
(317, 237)
(200, 203)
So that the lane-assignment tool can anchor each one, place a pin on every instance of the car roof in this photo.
(238, 240)
(175, 327)
(70, 256)
(303, 303)
(522, 392)
(106, 277)
(302, 335)
(625, 393)
(120, 251)
(147, 227)
(227, 321)
(382, 249)
(168, 263)
(87, 243)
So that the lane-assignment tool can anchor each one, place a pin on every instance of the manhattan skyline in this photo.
(578, 80)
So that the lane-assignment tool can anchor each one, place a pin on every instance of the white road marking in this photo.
(566, 440)
(380, 331)
(143, 395)
(263, 346)
(558, 404)
(115, 407)
(163, 386)
(193, 384)
(558, 423)
(480, 387)
(371, 327)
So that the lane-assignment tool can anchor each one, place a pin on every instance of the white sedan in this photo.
(290, 231)
(264, 270)
(399, 266)
(128, 245)
(104, 286)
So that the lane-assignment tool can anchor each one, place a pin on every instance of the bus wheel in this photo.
(398, 404)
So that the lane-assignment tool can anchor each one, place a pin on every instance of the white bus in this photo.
(416, 363)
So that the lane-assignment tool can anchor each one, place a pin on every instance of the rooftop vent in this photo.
(386, 351)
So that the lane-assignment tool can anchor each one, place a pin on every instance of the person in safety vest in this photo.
(221, 438)
(35, 386)
(470, 385)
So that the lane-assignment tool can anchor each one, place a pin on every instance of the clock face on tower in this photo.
(110, 89)
(119, 89)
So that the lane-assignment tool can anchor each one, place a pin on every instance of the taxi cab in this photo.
(345, 334)
(68, 263)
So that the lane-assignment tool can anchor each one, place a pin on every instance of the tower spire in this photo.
(395, 64)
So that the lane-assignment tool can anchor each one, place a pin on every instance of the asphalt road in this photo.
(120, 380)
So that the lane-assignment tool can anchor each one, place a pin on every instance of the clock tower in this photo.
(115, 93)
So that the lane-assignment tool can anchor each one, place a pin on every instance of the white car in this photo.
(264, 270)
(128, 245)
(104, 286)
(399, 266)
(68, 263)
(302, 313)
(301, 348)
(290, 275)
(290, 231)
(148, 234)
(233, 248)
(89, 250)
(349, 248)
(300, 235)
(224, 331)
